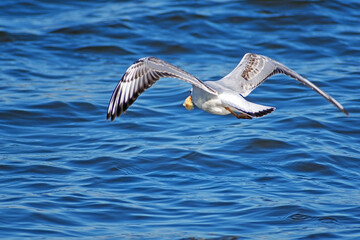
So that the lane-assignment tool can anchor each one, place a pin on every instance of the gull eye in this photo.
(190, 91)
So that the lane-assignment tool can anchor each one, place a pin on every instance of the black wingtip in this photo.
(345, 112)
(109, 116)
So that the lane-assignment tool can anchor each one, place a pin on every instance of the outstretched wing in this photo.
(142, 75)
(254, 69)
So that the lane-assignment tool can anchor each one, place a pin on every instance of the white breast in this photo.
(208, 102)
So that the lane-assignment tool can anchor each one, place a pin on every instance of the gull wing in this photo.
(140, 76)
(254, 69)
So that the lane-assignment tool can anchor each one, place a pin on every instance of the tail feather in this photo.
(260, 113)
(238, 103)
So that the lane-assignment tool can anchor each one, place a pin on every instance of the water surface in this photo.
(159, 171)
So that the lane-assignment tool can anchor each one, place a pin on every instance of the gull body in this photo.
(225, 96)
(210, 103)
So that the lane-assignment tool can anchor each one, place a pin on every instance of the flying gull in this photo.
(225, 96)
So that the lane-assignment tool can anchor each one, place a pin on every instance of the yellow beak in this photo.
(188, 103)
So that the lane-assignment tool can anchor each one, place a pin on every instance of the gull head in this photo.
(188, 103)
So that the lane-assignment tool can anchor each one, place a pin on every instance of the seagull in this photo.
(225, 96)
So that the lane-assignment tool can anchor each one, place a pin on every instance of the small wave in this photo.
(214, 238)
(104, 50)
(5, 37)
(298, 217)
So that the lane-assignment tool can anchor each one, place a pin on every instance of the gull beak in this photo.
(188, 103)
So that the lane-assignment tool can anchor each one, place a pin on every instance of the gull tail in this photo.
(256, 110)
(238, 103)
(260, 113)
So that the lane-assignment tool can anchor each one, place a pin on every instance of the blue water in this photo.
(160, 171)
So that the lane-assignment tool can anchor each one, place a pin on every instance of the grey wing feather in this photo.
(254, 69)
(140, 76)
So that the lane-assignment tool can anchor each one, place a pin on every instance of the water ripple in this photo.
(160, 171)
